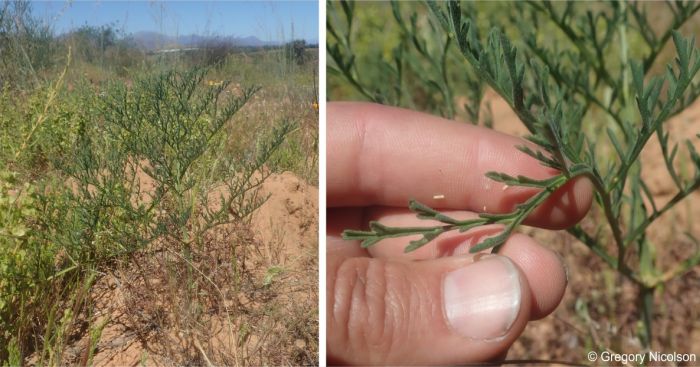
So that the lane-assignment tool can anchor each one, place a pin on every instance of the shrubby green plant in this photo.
(96, 172)
(17, 203)
(169, 127)
(554, 87)
(143, 169)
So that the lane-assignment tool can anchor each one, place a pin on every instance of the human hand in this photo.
(383, 306)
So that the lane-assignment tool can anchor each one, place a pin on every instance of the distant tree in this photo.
(91, 42)
(216, 51)
(25, 44)
(295, 51)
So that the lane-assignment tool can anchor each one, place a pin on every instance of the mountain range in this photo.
(155, 40)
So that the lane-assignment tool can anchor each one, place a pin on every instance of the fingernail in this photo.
(482, 299)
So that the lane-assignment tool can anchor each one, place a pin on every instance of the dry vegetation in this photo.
(143, 224)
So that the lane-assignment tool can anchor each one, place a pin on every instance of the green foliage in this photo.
(26, 45)
(295, 52)
(143, 166)
(293, 156)
(105, 46)
(558, 90)
(26, 266)
(215, 53)
(421, 70)
(95, 170)
(18, 208)
(271, 274)
(165, 129)
(93, 41)
(50, 129)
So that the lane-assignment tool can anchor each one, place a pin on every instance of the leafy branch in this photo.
(424, 58)
(540, 94)
(568, 67)
(345, 65)
(379, 232)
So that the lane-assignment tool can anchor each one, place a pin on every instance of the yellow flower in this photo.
(315, 106)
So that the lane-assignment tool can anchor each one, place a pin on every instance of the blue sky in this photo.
(267, 20)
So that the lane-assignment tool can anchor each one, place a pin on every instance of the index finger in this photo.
(379, 155)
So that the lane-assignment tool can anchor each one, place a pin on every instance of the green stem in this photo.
(677, 23)
(445, 81)
(579, 89)
(593, 244)
(611, 218)
(646, 298)
(601, 71)
(670, 204)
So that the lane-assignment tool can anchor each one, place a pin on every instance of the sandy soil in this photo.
(599, 309)
(253, 297)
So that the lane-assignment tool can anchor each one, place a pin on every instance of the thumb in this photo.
(445, 311)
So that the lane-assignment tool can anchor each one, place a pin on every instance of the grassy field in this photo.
(130, 187)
